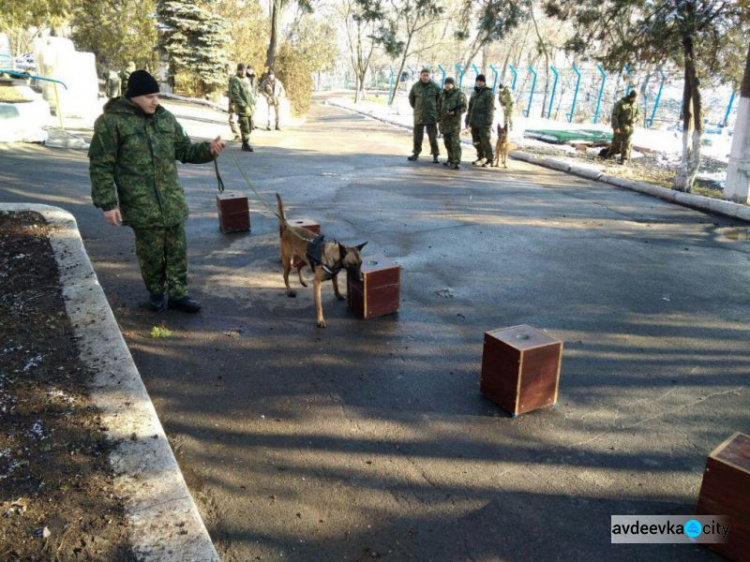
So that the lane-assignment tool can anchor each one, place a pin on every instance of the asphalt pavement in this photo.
(370, 439)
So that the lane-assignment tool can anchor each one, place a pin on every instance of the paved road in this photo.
(371, 439)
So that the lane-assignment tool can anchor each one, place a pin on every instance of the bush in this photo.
(296, 75)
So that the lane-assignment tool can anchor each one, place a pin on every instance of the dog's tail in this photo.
(282, 218)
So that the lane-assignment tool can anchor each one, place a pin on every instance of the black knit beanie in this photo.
(450, 80)
(482, 78)
(141, 83)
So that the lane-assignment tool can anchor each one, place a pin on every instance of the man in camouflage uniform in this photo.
(273, 89)
(451, 105)
(113, 86)
(243, 102)
(423, 98)
(505, 97)
(232, 115)
(624, 117)
(134, 181)
(124, 76)
(479, 117)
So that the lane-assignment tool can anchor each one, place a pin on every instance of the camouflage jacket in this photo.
(505, 97)
(481, 108)
(241, 97)
(449, 100)
(625, 114)
(132, 164)
(424, 99)
(273, 92)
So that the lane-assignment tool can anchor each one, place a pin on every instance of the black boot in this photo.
(185, 304)
(157, 303)
(413, 158)
(435, 159)
(246, 147)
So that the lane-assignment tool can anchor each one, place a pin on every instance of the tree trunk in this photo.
(274, 41)
(400, 70)
(692, 121)
(737, 186)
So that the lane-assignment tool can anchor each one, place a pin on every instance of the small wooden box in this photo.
(379, 291)
(309, 224)
(234, 212)
(725, 490)
(520, 368)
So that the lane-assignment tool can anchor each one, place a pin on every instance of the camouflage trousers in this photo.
(480, 138)
(162, 256)
(233, 123)
(508, 118)
(622, 142)
(419, 138)
(246, 126)
(275, 107)
(452, 140)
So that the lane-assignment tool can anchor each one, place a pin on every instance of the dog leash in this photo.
(258, 196)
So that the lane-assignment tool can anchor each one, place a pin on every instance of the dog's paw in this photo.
(322, 324)
(303, 283)
(291, 294)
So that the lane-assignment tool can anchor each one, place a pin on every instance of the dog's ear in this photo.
(342, 250)
(362, 245)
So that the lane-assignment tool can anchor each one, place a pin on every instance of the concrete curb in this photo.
(165, 523)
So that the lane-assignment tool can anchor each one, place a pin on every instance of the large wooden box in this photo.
(234, 212)
(378, 292)
(725, 490)
(520, 368)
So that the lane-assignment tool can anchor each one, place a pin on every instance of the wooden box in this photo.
(725, 490)
(234, 212)
(520, 368)
(378, 292)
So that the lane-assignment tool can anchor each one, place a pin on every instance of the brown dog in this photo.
(502, 147)
(326, 259)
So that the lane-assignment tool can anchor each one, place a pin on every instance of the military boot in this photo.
(157, 303)
(246, 147)
(185, 304)
(413, 158)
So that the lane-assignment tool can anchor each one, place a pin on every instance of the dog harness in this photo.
(314, 254)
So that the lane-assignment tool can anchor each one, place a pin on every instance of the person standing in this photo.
(625, 115)
(134, 182)
(250, 74)
(243, 101)
(479, 117)
(124, 76)
(505, 97)
(232, 114)
(273, 89)
(451, 105)
(423, 98)
(113, 86)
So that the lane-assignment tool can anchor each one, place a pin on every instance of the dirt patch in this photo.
(56, 495)
(654, 168)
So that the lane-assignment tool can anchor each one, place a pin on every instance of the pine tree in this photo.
(195, 39)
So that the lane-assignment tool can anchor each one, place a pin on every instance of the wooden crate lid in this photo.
(522, 337)
(377, 262)
(231, 195)
(735, 451)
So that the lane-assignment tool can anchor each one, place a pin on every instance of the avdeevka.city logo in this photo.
(703, 529)
(693, 528)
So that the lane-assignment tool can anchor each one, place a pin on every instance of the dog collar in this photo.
(314, 254)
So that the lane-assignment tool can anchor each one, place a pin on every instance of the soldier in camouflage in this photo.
(451, 105)
(505, 97)
(423, 98)
(134, 181)
(273, 90)
(243, 102)
(479, 117)
(124, 76)
(625, 115)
